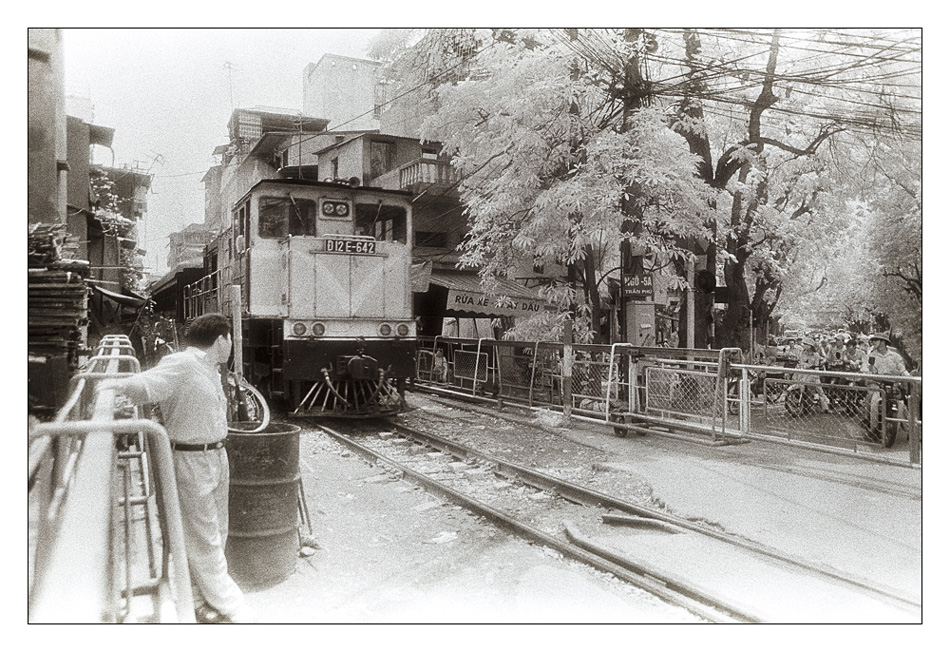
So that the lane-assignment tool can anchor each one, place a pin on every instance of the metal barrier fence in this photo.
(106, 540)
(699, 392)
(857, 412)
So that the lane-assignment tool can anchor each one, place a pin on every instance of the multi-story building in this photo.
(74, 245)
(272, 143)
(348, 92)
(46, 164)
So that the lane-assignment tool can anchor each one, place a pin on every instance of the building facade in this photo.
(348, 92)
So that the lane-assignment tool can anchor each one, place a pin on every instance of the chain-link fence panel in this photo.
(515, 368)
(844, 410)
(590, 373)
(681, 392)
(471, 366)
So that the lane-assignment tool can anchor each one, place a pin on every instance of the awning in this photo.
(466, 296)
(131, 300)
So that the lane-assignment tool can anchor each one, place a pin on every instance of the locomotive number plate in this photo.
(343, 246)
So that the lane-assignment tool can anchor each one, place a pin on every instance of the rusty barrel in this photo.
(262, 545)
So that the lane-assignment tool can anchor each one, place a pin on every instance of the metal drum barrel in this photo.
(262, 545)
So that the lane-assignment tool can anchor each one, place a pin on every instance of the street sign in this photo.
(639, 284)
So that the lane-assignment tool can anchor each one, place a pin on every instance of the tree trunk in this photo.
(734, 331)
(592, 293)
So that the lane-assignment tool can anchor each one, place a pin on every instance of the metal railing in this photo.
(106, 539)
(201, 296)
(709, 394)
(853, 411)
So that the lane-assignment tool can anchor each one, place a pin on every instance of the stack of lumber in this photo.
(56, 313)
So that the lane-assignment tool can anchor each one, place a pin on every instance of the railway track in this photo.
(714, 575)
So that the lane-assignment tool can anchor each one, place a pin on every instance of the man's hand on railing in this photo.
(114, 385)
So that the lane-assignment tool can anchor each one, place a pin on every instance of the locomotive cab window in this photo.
(279, 217)
(384, 222)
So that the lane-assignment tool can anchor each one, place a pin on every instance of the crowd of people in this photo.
(870, 354)
(840, 352)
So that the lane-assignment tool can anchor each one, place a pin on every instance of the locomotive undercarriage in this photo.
(340, 379)
(351, 398)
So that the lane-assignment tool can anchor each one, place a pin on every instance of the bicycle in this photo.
(248, 411)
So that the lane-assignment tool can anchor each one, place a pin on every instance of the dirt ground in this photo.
(391, 553)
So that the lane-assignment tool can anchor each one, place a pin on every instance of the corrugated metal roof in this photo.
(133, 301)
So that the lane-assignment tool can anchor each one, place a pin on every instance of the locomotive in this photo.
(319, 273)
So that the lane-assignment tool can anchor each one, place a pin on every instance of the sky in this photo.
(169, 94)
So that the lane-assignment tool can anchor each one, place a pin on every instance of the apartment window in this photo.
(382, 158)
(379, 100)
(335, 167)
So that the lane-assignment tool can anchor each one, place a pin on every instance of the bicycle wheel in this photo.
(795, 402)
(248, 411)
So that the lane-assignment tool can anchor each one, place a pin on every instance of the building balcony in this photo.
(423, 174)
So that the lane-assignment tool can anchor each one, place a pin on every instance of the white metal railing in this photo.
(97, 486)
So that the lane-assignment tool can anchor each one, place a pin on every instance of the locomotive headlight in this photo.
(299, 329)
(385, 330)
(402, 330)
(318, 329)
(337, 209)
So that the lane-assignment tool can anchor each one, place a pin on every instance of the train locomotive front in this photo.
(324, 271)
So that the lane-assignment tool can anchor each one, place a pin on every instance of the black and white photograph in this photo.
(476, 325)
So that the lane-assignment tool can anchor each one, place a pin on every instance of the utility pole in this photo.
(635, 95)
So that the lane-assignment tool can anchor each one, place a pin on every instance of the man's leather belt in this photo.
(198, 447)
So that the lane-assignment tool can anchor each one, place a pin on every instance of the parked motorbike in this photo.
(840, 391)
(772, 391)
(802, 400)
(889, 416)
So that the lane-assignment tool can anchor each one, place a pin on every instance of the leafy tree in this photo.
(564, 138)
(552, 173)
(873, 274)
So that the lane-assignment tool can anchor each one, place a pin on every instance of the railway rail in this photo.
(708, 572)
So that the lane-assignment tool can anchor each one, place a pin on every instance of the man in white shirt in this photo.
(883, 361)
(187, 387)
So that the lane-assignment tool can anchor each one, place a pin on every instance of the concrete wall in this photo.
(47, 127)
(342, 90)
